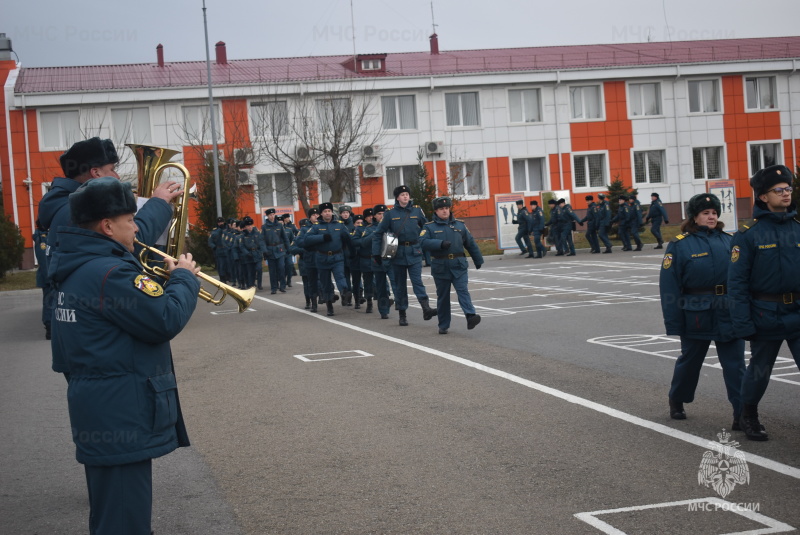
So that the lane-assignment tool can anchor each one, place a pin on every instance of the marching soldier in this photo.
(635, 214)
(381, 271)
(537, 228)
(447, 239)
(568, 220)
(555, 226)
(362, 240)
(604, 222)
(623, 218)
(277, 244)
(215, 242)
(591, 224)
(40, 250)
(250, 251)
(656, 213)
(291, 234)
(522, 219)
(330, 237)
(311, 277)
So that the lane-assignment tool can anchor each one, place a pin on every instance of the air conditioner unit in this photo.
(247, 177)
(308, 173)
(372, 170)
(302, 153)
(210, 156)
(244, 157)
(371, 151)
(434, 147)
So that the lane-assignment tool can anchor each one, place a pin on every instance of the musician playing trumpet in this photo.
(112, 331)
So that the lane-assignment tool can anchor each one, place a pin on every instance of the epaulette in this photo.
(429, 223)
(748, 225)
(679, 237)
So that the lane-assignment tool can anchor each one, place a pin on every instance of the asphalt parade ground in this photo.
(550, 417)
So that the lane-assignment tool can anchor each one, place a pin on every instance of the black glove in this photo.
(514, 222)
(377, 259)
(580, 223)
(445, 245)
(478, 266)
(327, 237)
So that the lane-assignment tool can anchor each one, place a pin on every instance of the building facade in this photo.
(660, 117)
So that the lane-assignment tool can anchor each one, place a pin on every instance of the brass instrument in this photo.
(151, 162)
(243, 298)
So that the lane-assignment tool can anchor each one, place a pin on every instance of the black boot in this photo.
(329, 305)
(472, 321)
(676, 411)
(403, 320)
(357, 306)
(313, 304)
(608, 250)
(427, 311)
(659, 246)
(308, 303)
(369, 306)
(749, 423)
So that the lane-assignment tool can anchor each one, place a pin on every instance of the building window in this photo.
(333, 114)
(704, 96)
(590, 170)
(645, 99)
(270, 119)
(524, 105)
(764, 155)
(397, 175)
(197, 123)
(648, 167)
(275, 189)
(399, 113)
(761, 93)
(370, 65)
(466, 178)
(462, 109)
(60, 129)
(528, 174)
(585, 102)
(707, 163)
(131, 125)
(349, 184)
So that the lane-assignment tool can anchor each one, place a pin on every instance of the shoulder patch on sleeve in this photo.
(747, 225)
(679, 237)
(147, 285)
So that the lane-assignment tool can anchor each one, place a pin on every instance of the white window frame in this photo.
(202, 109)
(271, 177)
(718, 95)
(528, 190)
(323, 116)
(601, 104)
(355, 200)
(403, 180)
(256, 115)
(465, 195)
(722, 161)
(662, 152)
(397, 115)
(64, 141)
(778, 154)
(773, 88)
(461, 124)
(370, 64)
(523, 109)
(641, 99)
(606, 171)
(127, 133)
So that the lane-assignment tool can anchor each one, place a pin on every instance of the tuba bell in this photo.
(151, 162)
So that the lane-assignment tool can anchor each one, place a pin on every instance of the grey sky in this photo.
(93, 32)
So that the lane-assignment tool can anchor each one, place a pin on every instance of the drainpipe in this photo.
(430, 130)
(558, 135)
(28, 182)
(677, 138)
(9, 94)
(791, 121)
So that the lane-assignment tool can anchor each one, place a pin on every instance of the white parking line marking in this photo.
(358, 354)
(752, 458)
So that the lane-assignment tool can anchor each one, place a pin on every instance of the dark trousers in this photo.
(762, 358)
(249, 274)
(313, 281)
(635, 235)
(368, 279)
(690, 362)
(48, 303)
(655, 228)
(355, 281)
(567, 245)
(288, 268)
(623, 236)
(222, 266)
(382, 290)
(120, 498)
(591, 237)
(277, 273)
(524, 241)
(602, 233)
(443, 298)
(336, 270)
(537, 241)
(413, 272)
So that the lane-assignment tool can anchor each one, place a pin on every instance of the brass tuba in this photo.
(150, 163)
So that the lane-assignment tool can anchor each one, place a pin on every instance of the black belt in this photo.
(786, 299)
(719, 289)
(408, 243)
(448, 256)
(329, 253)
(365, 256)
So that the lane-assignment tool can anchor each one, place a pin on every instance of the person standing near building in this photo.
(277, 245)
(330, 238)
(311, 276)
(536, 229)
(523, 221)
(447, 238)
(696, 305)
(124, 408)
(764, 286)
(656, 213)
(405, 221)
(591, 224)
(604, 222)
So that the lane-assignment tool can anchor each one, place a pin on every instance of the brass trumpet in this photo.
(243, 298)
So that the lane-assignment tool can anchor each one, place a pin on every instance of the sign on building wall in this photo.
(505, 208)
(726, 191)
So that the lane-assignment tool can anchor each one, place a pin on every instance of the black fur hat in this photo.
(325, 206)
(589, 197)
(269, 211)
(313, 211)
(401, 189)
(379, 208)
(247, 220)
(520, 202)
(534, 203)
(368, 212)
(101, 198)
(84, 155)
(703, 201)
(765, 179)
(552, 201)
(444, 202)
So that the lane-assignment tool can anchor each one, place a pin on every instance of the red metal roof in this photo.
(276, 70)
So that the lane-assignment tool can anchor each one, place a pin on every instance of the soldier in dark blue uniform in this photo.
(228, 239)
(330, 237)
(656, 213)
(522, 219)
(567, 220)
(112, 329)
(405, 221)
(354, 261)
(291, 234)
(220, 257)
(635, 221)
(362, 241)
(603, 222)
(277, 245)
(346, 217)
(447, 238)
(696, 305)
(764, 284)
(298, 252)
(623, 218)
(250, 251)
(536, 228)
(309, 268)
(591, 224)
(381, 271)
(40, 250)
(554, 225)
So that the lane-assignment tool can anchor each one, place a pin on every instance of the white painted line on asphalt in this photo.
(709, 504)
(232, 311)
(352, 354)
(752, 458)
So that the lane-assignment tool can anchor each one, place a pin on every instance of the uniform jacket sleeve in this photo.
(670, 289)
(739, 284)
(153, 218)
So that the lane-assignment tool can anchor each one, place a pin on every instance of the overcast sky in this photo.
(91, 32)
